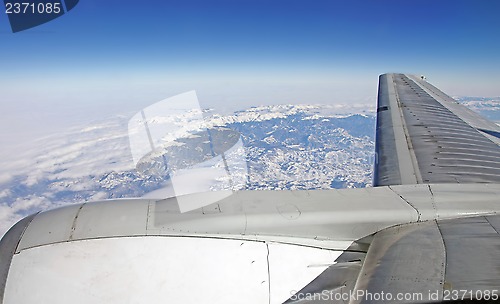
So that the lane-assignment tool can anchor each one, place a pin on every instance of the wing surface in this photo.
(435, 260)
(424, 136)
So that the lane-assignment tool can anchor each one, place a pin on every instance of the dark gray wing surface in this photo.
(434, 261)
(424, 136)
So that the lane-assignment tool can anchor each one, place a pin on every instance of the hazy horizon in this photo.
(105, 58)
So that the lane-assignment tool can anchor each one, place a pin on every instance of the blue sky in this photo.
(116, 56)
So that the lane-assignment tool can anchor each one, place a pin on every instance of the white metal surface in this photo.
(50, 227)
(122, 217)
(140, 270)
(162, 270)
(325, 219)
(293, 267)
(448, 201)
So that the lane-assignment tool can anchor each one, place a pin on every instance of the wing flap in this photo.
(428, 261)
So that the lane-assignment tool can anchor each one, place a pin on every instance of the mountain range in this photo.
(285, 147)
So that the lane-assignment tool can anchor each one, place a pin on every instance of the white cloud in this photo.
(5, 193)
(7, 218)
(9, 215)
(5, 178)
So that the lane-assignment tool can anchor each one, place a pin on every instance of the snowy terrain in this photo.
(285, 147)
(488, 107)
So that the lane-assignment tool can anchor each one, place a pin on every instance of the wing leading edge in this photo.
(424, 136)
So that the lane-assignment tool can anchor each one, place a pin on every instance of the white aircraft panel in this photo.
(293, 267)
(140, 270)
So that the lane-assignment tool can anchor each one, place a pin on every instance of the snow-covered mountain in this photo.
(489, 107)
(285, 147)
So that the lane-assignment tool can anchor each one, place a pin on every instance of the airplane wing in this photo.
(424, 136)
(427, 232)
